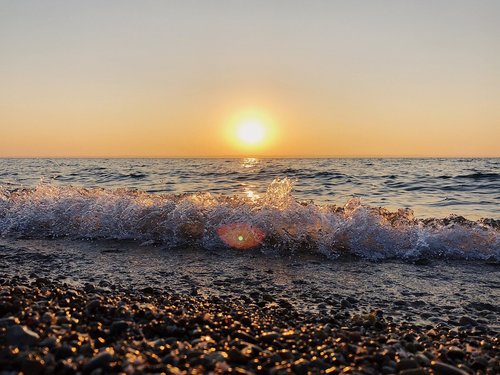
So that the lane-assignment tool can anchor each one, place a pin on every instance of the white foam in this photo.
(289, 225)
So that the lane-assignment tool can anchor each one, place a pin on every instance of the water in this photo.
(333, 207)
(430, 187)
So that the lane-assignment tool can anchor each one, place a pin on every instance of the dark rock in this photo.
(388, 370)
(49, 342)
(269, 337)
(7, 307)
(63, 352)
(446, 369)
(422, 359)
(216, 357)
(455, 353)
(245, 337)
(20, 336)
(99, 361)
(345, 304)
(118, 327)
(9, 321)
(413, 371)
(235, 355)
(407, 363)
(89, 288)
(480, 363)
(300, 366)
(92, 306)
(467, 321)
(32, 367)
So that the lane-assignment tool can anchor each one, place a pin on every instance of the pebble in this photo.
(118, 327)
(63, 352)
(407, 363)
(455, 352)
(17, 335)
(245, 337)
(412, 371)
(9, 321)
(446, 369)
(33, 367)
(467, 321)
(269, 337)
(422, 359)
(388, 370)
(92, 306)
(216, 357)
(235, 355)
(49, 342)
(183, 333)
(99, 361)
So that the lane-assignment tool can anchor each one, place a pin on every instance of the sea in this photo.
(369, 208)
(418, 239)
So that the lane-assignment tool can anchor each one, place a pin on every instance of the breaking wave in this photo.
(276, 219)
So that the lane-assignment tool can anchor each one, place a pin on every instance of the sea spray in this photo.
(287, 224)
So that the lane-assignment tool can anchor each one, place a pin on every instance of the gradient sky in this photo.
(331, 78)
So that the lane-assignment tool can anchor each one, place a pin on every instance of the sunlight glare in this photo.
(251, 132)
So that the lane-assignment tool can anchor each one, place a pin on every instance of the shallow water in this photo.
(430, 187)
(435, 292)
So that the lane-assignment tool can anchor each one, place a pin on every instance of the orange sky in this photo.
(173, 79)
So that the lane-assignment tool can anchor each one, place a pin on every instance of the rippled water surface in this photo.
(431, 187)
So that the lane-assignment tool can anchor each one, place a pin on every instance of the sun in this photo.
(251, 132)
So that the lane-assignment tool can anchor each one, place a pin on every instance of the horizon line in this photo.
(259, 157)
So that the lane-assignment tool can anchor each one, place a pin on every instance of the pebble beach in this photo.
(77, 321)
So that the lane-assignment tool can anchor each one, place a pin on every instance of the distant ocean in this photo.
(371, 208)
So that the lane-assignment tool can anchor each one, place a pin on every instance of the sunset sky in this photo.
(177, 78)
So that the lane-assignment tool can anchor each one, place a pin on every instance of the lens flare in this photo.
(241, 236)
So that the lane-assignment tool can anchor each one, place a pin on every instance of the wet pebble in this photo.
(98, 362)
(17, 335)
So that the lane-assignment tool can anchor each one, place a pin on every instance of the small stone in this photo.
(467, 321)
(446, 369)
(345, 304)
(455, 352)
(9, 321)
(118, 327)
(99, 361)
(92, 306)
(7, 307)
(422, 359)
(49, 342)
(412, 371)
(269, 337)
(407, 363)
(300, 366)
(63, 352)
(21, 336)
(89, 288)
(237, 356)
(216, 357)
(388, 370)
(480, 363)
(267, 297)
(278, 370)
(32, 367)
(245, 337)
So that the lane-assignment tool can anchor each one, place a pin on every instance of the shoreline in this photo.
(95, 307)
(61, 329)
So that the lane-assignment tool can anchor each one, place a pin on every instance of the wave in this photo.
(481, 176)
(275, 221)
